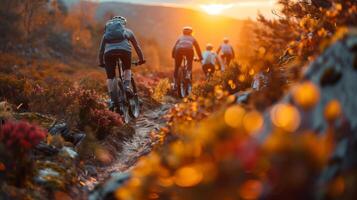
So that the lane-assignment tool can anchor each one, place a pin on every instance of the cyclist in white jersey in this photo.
(227, 52)
(210, 60)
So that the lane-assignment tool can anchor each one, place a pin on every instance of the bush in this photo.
(234, 79)
(51, 99)
(18, 139)
(14, 90)
(104, 120)
(161, 90)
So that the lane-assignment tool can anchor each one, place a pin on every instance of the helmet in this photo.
(226, 40)
(187, 30)
(121, 19)
(209, 47)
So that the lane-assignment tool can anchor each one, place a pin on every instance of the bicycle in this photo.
(129, 104)
(209, 71)
(184, 82)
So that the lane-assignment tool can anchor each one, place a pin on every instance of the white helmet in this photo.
(121, 19)
(209, 47)
(187, 30)
(226, 40)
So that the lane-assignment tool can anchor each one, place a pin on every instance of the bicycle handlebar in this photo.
(137, 63)
(196, 60)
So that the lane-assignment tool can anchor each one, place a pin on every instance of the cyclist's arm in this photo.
(218, 50)
(198, 49)
(174, 49)
(101, 51)
(136, 46)
(233, 54)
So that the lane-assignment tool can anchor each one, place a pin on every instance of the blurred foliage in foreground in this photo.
(212, 149)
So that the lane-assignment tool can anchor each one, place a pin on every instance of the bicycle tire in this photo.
(123, 106)
(181, 84)
(134, 103)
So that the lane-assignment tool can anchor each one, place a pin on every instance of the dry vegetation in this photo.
(209, 148)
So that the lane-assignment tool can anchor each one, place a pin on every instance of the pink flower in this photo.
(21, 136)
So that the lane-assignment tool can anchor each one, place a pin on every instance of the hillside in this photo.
(279, 122)
(164, 24)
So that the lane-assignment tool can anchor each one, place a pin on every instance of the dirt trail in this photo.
(135, 146)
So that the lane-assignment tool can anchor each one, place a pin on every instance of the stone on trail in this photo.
(107, 190)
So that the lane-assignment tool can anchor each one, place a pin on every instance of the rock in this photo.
(334, 74)
(51, 174)
(47, 149)
(243, 97)
(47, 176)
(68, 152)
(106, 190)
(90, 170)
(330, 77)
(63, 130)
(59, 128)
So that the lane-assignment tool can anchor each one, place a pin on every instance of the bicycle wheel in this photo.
(134, 103)
(181, 83)
(188, 87)
(123, 105)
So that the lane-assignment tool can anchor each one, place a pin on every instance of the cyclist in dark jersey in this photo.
(184, 47)
(111, 51)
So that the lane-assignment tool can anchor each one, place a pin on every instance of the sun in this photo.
(215, 9)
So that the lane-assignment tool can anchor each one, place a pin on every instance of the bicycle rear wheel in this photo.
(134, 103)
(188, 87)
(123, 105)
(181, 83)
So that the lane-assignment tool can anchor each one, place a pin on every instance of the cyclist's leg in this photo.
(125, 57)
(178, 61)
(112, 82)
(212, 67)
(229, 59)
(224, 61)
(189, 56)
(205, 69)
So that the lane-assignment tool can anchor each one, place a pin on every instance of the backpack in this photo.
(226, 49)
(208, 58)
(185, 42)
(114, 32)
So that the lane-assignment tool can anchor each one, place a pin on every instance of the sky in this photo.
(240, 9)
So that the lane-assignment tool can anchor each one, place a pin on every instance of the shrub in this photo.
(84, 101)
(161, 90)
(52, 98)
(234, 79)
(104, 120)
(19, 137)
(14, 90)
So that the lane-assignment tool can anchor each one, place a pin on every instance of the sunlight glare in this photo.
(215, 9)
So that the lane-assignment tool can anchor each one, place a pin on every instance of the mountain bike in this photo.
(129, 104)
(209, 71)
(184, 82)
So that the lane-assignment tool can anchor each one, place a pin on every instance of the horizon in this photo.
(238, 9)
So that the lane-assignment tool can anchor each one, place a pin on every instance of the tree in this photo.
(9, 18)
(34, 15)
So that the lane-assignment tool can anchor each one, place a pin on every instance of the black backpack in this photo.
(114, 32)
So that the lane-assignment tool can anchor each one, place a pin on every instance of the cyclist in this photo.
(184, 48)
(210, 59)
(227, 52)
(115, 46)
